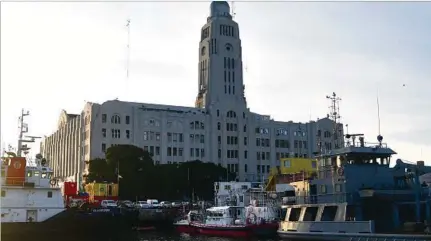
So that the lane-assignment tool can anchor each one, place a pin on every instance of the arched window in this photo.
(231, 114)
(115, 119)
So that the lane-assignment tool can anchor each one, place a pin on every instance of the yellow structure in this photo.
(290, 170)
(101, 189)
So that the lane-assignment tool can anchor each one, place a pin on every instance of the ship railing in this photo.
(14, 181)
(322, 198)
(365, 144)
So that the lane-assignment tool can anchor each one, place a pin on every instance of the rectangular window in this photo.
(103, 147)
(169, 151)
(245, 154)
(127, 134)
(49, 194)
(157, 150)
(127, 120)
(180, 151)
(192, 152)
(104, 132)
(103, 118)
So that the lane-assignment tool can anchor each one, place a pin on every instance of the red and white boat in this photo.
(183, 225)
(226, 221)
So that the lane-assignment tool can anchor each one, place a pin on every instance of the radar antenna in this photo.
(334, 115)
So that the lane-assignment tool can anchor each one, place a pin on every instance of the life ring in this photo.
(340, 171)
(251, 220)
(53, 182)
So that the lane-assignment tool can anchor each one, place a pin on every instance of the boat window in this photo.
(310, 213)
(350, 213)
(29, 173)
(44, 175)
(337, 187)
(227, 187)
(49, 194)
(36, 173)
(294, 214)
(322, 188)
(3, 193)
(287, 163)
(329, 213)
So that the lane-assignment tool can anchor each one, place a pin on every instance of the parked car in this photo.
(142, 204)
(108, 203)
(166, 204)
(126, 203)
(176, 204)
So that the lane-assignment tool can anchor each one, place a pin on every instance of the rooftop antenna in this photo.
(128, 48)
(334, 115)
(233, 13)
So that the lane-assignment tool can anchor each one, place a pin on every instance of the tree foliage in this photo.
(140, 179)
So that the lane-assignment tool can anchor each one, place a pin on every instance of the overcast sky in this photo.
(56, 56)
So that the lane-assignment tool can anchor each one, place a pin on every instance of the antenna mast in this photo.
(378, 112)
(23, 128)
(233, 13)
(379, 137)
(334, 115)
(128, 48)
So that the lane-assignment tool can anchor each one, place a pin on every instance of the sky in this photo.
(57, 56)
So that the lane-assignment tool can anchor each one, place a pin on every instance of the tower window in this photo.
(225, 89)
(225, 76)
(233, 63)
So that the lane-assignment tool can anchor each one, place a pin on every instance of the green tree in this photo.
(99, 171)
(139, 178)
(133, 168)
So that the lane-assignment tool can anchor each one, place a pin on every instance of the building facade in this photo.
(219, 129)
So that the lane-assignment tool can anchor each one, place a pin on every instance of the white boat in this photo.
(32, 204)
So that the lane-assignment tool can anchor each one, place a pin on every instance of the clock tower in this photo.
(220, 61)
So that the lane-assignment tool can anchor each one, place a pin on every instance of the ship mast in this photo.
(23, 128)
(334, 115)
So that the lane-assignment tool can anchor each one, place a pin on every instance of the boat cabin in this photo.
(225, 215)
(28, 194)
(355, 183)
(15, 172)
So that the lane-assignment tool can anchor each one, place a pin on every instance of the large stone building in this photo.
(220, 128)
